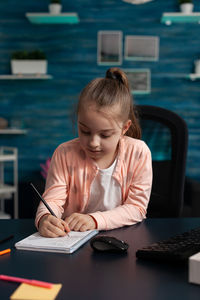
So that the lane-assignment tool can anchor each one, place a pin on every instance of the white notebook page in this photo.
(60, 243)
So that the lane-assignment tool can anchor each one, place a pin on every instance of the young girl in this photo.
(103, 178)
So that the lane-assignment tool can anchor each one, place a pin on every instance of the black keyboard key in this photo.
(176, 248)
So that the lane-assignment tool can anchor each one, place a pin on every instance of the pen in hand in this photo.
(45, 203)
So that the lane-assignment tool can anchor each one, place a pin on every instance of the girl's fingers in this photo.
(60, 224)
(55, 230)
(80, 222)
(66, 226)
(71, 221)
(50, 234)
(83, 228)
(73, 224)
(51, 226)
(77, 226)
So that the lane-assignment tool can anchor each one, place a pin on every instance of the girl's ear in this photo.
(126, 126)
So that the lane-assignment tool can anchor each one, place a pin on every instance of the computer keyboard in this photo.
(176, 248)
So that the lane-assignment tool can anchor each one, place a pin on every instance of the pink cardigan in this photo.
(71, 173)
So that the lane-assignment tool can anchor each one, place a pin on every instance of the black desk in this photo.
(87, 275)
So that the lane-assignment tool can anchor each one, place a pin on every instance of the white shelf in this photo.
(47, 18)
(194, 76)
(7, 157)
(21, 76)
(3, 215)
(176, 75)
(13, 131)
(7, 189)
(169, 18)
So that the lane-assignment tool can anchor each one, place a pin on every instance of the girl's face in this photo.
(99, 134)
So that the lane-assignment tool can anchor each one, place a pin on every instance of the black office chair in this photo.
(166, 135)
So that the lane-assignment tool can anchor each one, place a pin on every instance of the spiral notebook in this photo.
(66, 244)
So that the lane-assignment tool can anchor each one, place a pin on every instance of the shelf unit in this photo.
(22, 77)
(8, 155)
(13, 131)
(47, 18)
(193, 76)
(177, 75)
(169, 18)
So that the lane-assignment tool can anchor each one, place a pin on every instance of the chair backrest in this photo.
(166, 134)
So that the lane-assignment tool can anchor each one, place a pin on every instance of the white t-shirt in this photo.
(105, 191)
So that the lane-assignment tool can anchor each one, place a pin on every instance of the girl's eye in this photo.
(105, 136)
(85, 132)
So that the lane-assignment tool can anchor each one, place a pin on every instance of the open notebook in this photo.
(66, 244)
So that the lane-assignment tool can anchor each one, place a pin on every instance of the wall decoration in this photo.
(141, 48)
(109, 48)
(139, 80)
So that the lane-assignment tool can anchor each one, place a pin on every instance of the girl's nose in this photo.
(94, 142)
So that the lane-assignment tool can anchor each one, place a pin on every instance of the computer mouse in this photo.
(104, 243)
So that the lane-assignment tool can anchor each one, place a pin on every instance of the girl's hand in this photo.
(80, 222)
(50, 226)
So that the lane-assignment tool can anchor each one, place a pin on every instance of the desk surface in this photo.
(94, 276)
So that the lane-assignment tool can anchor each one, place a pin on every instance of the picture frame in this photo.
(141, 48)
(109, 47)
(139, 80)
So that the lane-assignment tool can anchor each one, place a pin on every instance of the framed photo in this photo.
(144, 48)
(139, 80)
(109, 48)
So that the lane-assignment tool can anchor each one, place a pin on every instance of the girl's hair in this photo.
(109, 91)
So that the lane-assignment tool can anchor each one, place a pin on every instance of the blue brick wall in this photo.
(46, 107)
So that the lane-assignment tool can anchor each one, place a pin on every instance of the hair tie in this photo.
(115, 76)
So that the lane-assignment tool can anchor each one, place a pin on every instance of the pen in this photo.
(28, 281)
(5, 251)
(7, 238)
(45, 203)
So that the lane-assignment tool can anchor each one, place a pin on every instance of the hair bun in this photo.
(117, 74)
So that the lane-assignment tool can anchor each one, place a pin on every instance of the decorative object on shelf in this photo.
(28, 62)
(137, 1)
(55, 7)
(3, 123)
(197, 66)
(186, 6)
